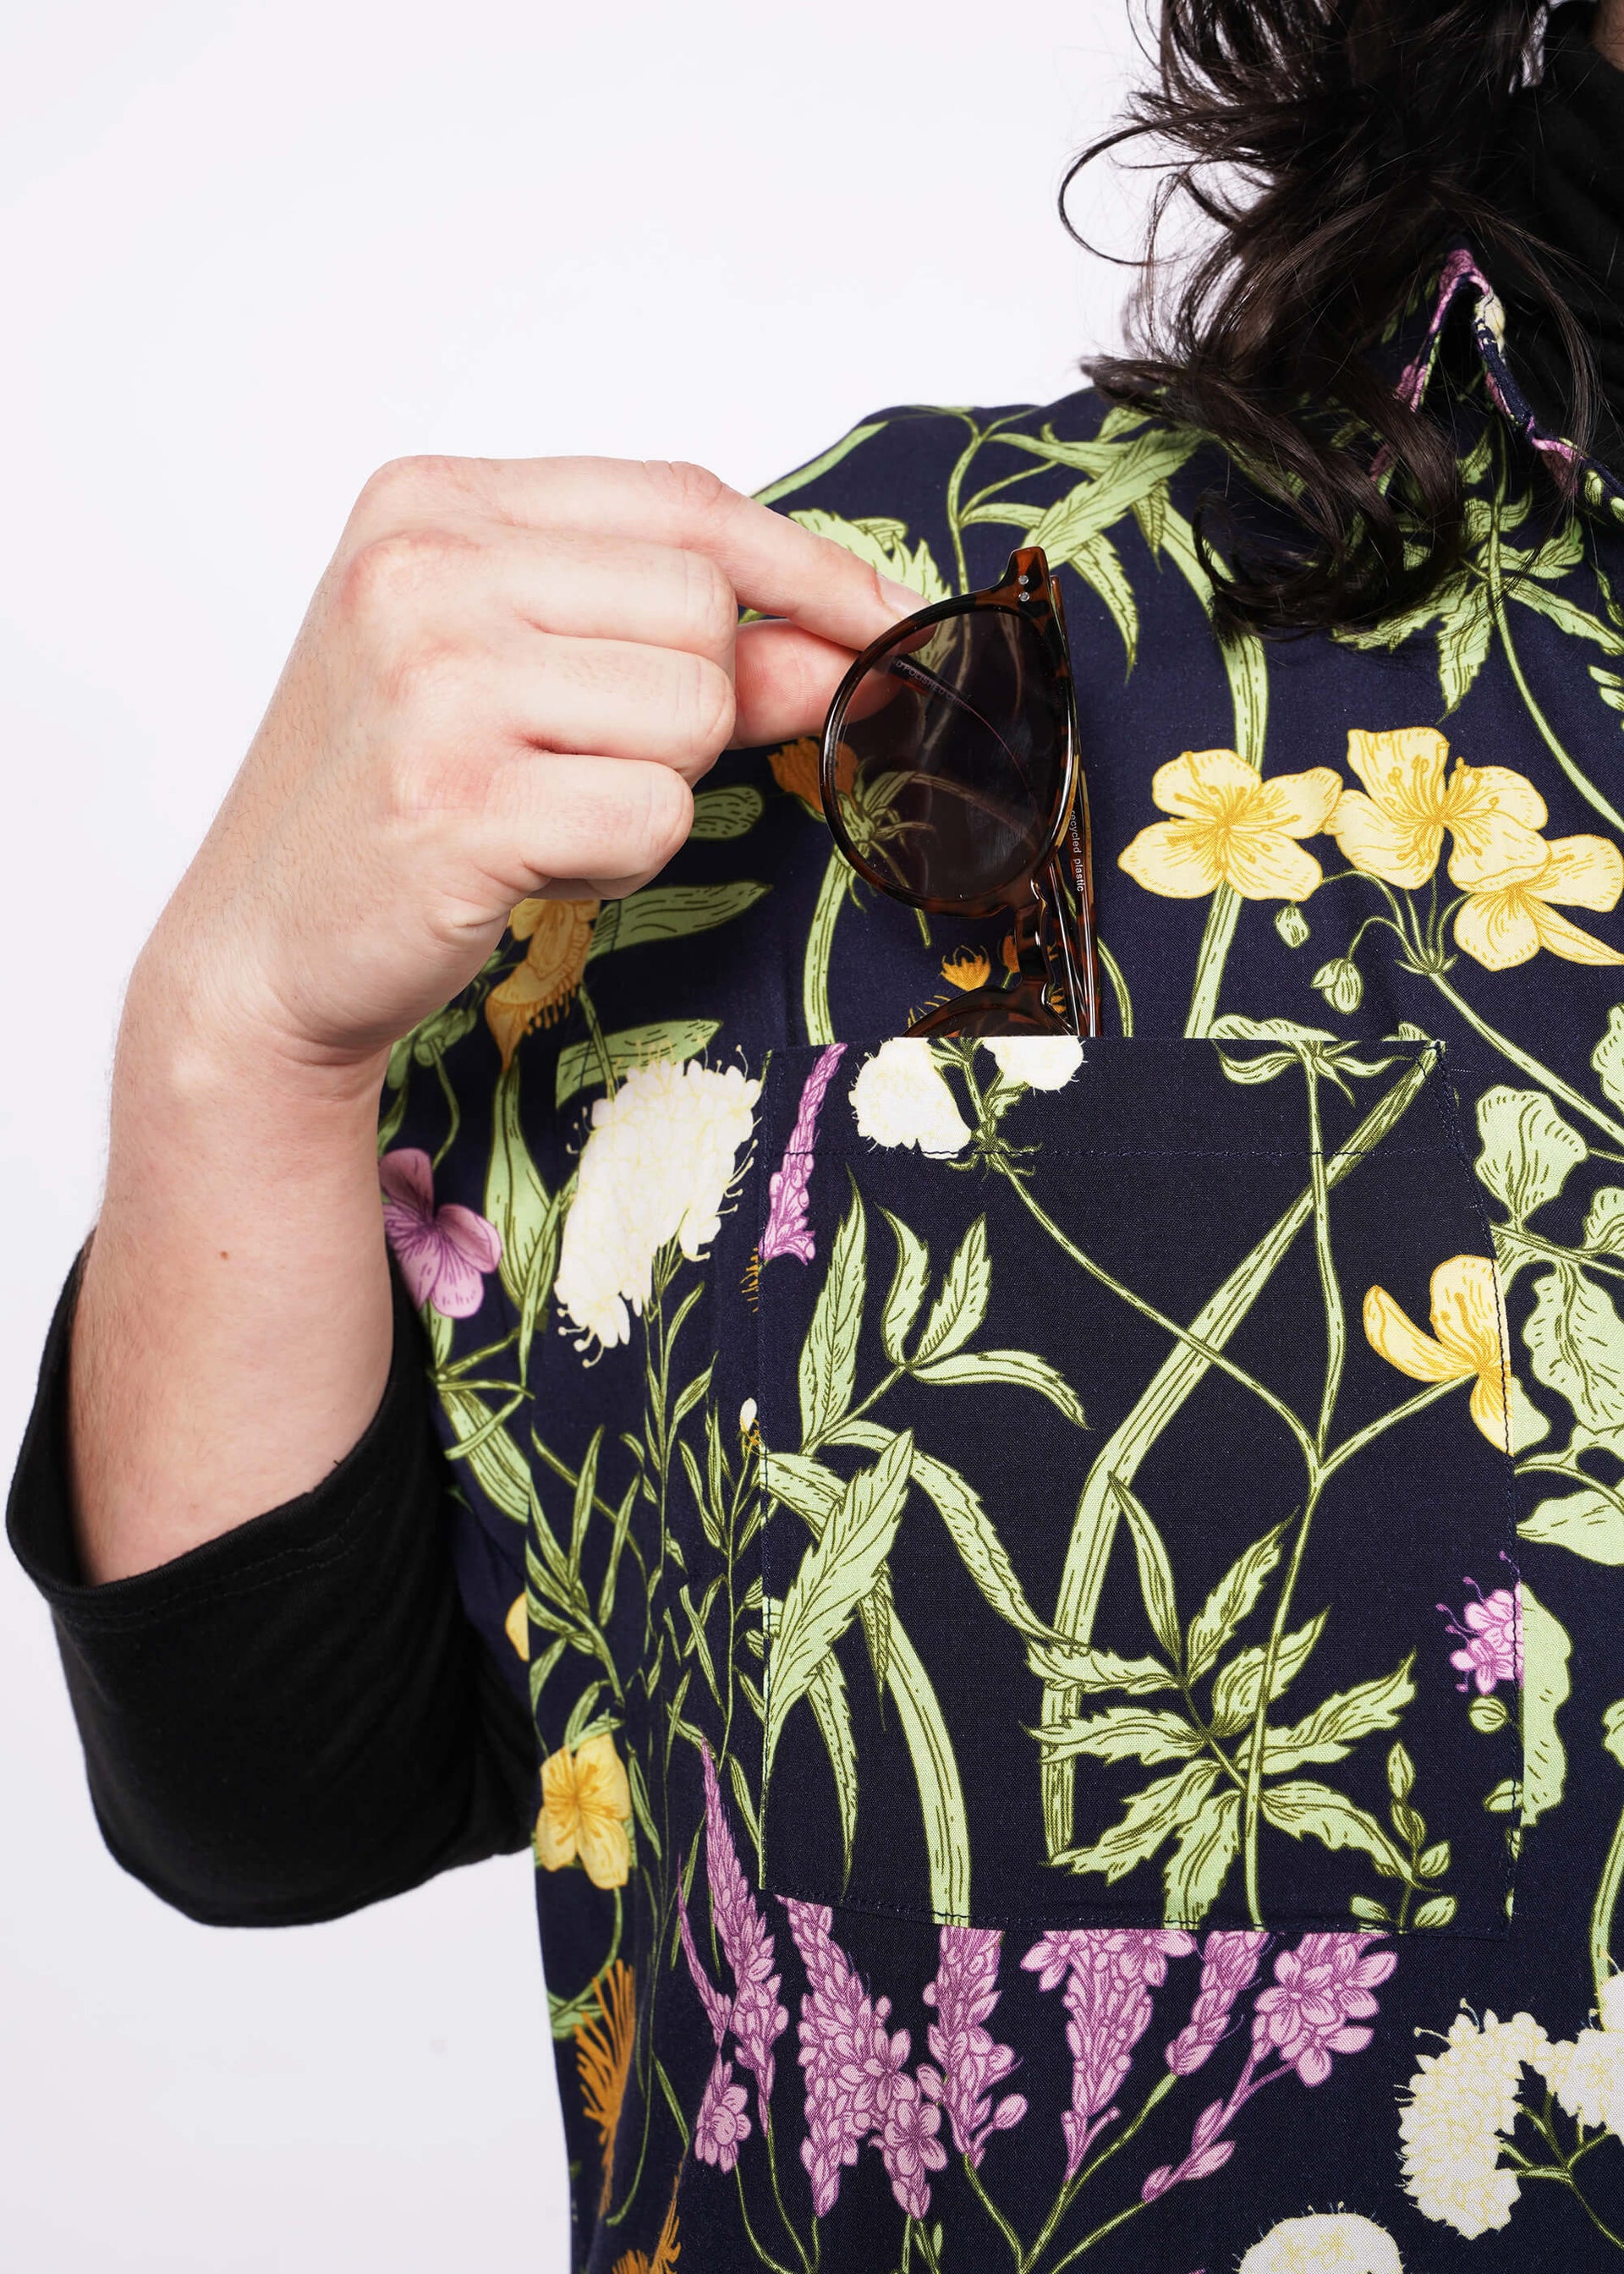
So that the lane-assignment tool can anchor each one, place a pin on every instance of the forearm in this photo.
(234, 1327)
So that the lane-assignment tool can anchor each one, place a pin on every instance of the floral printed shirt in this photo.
(1069, 1595)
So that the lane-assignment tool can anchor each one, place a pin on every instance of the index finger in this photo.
(772, 563)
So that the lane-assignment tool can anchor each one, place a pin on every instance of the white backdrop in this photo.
(247, 252)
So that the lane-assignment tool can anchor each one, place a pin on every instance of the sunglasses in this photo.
(951, 779)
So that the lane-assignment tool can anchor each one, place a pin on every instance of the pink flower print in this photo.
(1318, 1988)
(1208, 2153)
(788, 1232)
(721, 2127)
(908, 2143)
(1230, 1964)
(840, 2033)
(964, 1993)
(1109, 1973)
(443, 1253)
(757, 2020)
(1492, 1636)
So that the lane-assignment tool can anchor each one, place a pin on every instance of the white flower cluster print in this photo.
(1463, 2105)
(900, 1098)
(661, 1153)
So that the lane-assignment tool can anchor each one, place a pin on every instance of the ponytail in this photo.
(1338, 149)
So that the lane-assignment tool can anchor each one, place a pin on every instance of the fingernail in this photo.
(900, 598)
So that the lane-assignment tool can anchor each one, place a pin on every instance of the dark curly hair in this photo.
(1334, 148)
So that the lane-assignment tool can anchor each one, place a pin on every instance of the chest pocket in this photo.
(1128, 1412)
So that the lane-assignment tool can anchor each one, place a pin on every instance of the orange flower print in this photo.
(604, 2046)
(1508, 916)
(586, 1806)
(668, 2250)
(541, 989)
(794, 769)
(1464, 1345)
(1231, 827)
(967, 969)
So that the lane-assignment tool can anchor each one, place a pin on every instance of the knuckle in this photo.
(702, 708)
(406, 485)
(709, 609)
(385, 573)
(694, 490)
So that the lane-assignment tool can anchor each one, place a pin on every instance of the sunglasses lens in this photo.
(952, 756)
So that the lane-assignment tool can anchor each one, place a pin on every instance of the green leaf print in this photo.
(1604, 1224)
(1588, 1523)
(883, 544)
(1150, 1819)
(828, 1366)
(526, 1216)
(672, 911)
(836, 1571)
(1019, 1368)
(1155, 1571)
(1334, 1727)
(961, 1304)
(1308, 1809)
(788, 484)
(723, 813)
(1202, 1861)
(907, 1289)
(580, 1065)
(1231, 1600)
(1546, 1652)
(826, 1696)
(1529, 1150)
(1235, 1690)
(1575, 1341)
(1079, 1666)
(1125, 1732)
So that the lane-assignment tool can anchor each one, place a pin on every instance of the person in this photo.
(1028, 1597)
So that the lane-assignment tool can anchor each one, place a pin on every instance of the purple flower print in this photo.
(1108, 1972)
(1296, 2025)
(964, 1993)
(846, 2053)
(856, 2081)
(1319, 1987)
(788, 1232)
(1230, 1964)
(443, 1253)
(721, 2127)
(757, 2019)
(1492, 1636)
(909, 2144)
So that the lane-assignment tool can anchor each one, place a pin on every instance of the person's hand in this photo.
(509, 678)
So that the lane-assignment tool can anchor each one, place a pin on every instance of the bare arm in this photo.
(508, 680)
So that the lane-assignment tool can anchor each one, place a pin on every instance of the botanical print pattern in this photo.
(1062, 1588)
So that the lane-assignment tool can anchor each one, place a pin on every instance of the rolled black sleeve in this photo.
(296, 1719)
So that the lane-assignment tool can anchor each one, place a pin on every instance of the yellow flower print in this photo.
(1394, 828)
(967, 969)
(1508, 916)
(517, 1626)
(586, 1805)
(604, 2047)
(1465, 1341)
(542, 987)
(1231, 827)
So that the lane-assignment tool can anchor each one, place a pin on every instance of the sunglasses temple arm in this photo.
(1073, 952)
